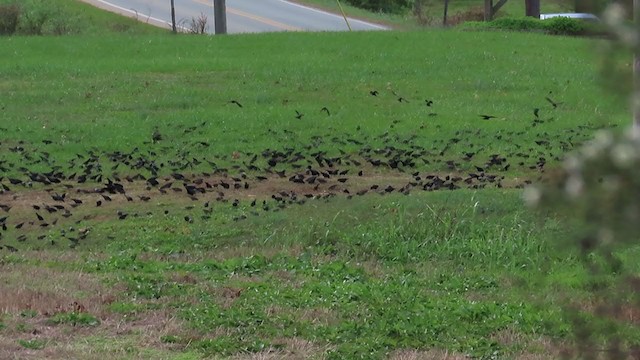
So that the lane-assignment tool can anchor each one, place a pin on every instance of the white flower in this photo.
(574, 186)
(623, 155)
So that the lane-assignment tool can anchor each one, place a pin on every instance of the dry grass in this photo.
(294, 349)
(113, 339)
(48, 291)
(425, 355)
(536, 349)
(30, 295)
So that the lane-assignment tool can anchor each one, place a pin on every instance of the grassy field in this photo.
(290, 195)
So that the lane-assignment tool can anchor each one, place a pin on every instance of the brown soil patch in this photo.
(112, 339)
(294, 349)
(47, 291)
(536, 349)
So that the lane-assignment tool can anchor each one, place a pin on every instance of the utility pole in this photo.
(220, 16)
(636, 72)
(173, 17)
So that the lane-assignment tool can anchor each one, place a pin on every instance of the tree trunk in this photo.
(532, 8)
(446, 10)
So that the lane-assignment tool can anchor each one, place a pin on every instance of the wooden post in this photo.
(488, 10)
(173, 17)
(446, 10)
(220, 16)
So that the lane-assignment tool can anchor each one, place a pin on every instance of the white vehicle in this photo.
(579, 16)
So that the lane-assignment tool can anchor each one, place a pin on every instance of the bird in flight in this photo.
(487, 117)
(235, 102)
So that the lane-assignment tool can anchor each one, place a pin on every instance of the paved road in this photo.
(242, 15)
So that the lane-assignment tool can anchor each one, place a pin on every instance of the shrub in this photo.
(60, 25)
(422, 12)
(196, 25)
(473, 14)
(33, 19)
(387, 6)
(9, 16)
(555, 26)
(564, 26)
(518, 24)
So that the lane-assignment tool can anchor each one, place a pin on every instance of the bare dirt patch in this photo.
(294, 349)
(48, 291)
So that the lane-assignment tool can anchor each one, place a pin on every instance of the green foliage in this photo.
(170, 339)
(565, 26)
(29, 313)
(227, 345)
(74, 318)
(62, 17)
(388, 6)
(598, 188)
(24, 327)
(9, 16)
(34, 344)
(518, 24)
(601, 185)
(554, 26)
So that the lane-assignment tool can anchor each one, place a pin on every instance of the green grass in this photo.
(33, 344)
(73, 318)
(469, 271)
(84, 97)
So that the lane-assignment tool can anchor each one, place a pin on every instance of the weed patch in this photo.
(33, 344)
(74, 319)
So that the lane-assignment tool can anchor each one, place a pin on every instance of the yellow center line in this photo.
(261, 19)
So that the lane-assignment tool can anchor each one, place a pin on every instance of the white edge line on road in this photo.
(137, 13)
(332, 14)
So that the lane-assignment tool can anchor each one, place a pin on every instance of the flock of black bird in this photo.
(270, 180)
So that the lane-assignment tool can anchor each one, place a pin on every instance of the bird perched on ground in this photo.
(156, 136)
(553, 103)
